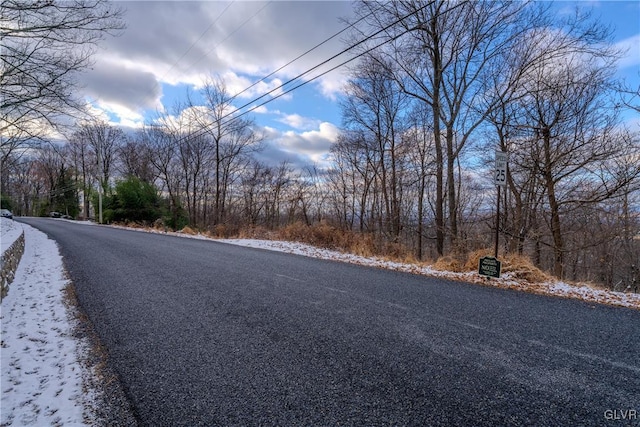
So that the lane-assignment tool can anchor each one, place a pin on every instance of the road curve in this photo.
(204, 333)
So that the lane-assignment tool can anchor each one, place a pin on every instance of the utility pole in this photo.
(100, 186)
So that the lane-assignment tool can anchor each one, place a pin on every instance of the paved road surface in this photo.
(204, 333)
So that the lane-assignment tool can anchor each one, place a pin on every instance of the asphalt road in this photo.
(204, 333)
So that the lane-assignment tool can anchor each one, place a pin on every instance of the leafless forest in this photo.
(435, 90)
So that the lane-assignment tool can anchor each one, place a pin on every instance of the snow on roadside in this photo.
(9, 232)
(41, 373)
(507, 280)
(583, 292)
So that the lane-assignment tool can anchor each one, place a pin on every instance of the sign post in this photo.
(501, 169)
(500, 181)
(490, 266)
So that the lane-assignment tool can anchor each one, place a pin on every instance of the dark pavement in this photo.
(204, 333)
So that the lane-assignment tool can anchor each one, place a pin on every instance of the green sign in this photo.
(489, 266)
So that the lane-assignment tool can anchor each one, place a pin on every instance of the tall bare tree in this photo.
(444, 53)
(233, 139)
(104, 140)
(162, 150)
(558, 121)
(45, 44)
(376, 107)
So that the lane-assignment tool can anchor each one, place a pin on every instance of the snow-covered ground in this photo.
(41, 373)
(43, 379)
(9, 232)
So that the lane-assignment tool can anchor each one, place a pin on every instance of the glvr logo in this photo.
(621, 414)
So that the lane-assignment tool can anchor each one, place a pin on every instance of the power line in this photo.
(229, 35)
(323, 63)
(311, 79)
(199, 38)
(301, 55)
(205, 128)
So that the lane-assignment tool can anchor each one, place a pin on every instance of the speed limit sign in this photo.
(500, 172)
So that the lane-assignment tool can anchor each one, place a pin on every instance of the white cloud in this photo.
(314, 144)
(245, 88)
(123, 115)
(261, 110)
(182, 42)
(296, 121)
(631, 48)
(300, 149)
(121, 90)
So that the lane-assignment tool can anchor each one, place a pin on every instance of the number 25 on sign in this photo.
(501, 169)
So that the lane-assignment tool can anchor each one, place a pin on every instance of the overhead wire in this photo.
(240, 114)
(229, 35)
(353, 46)
(325, 41)
(312, 79)
(198, 40)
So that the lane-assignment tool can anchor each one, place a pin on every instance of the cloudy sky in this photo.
(170, 47)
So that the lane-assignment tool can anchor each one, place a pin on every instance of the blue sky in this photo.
(169, 47)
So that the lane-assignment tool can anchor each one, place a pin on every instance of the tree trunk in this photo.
(556, 230)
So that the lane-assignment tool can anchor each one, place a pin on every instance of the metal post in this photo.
(495, 252)
(99, 203)
(100, 187)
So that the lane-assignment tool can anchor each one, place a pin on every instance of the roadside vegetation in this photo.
(326, 236)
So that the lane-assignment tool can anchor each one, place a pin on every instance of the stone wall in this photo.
(9, 264)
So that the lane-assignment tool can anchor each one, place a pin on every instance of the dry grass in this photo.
(519, 266)
(256, 232)
(321, 234)
(522, 268)
(327, 236)
(449, 263)
(188, 230)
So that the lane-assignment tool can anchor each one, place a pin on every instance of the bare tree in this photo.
(422, 159)
(162, 146)
(233, 139)
(194, 155)
(253, 184)
(135, 160)
(444, 52)
(104, 140)
(376, 107)
(353, 178)
(45, 44)
(558, 122)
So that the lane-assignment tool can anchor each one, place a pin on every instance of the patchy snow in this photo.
(561, 289)
(9, 232)
(507, 280)
(41, 373)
